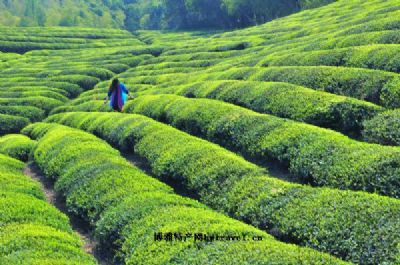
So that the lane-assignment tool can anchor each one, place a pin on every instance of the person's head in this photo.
(114, 84)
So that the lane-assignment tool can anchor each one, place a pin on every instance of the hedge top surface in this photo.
(225, 181)
(137, 231)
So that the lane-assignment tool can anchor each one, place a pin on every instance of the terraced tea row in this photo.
(315, 155)
(334, 67)
(348, 164)
(314, 217)
(285, 100)
(382, 57)
(16, 146)
(31, 230)
(301, 40)
(12, 124)
(21, 40)
(127, 216)
(281, 99)
(223, 48)
(327, 110)
(33, 84)
(384, 128)
(375, 86)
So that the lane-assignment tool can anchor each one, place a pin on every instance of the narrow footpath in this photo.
(80, 226)
(143, 165)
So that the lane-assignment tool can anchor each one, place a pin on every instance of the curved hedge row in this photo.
(90, 105)
(133, 61)
(317, 156)
(387, 23)
(382, 57)
(26, 71)
(102, 74)
(20, 37)
(73, 90)
(285, 100)
(12, 124)
(384, 128)
(127, 216)
(32, 113)
(139, 72)
(84, 81)
(16, 146)
(44, 103)
(27, 46)
(4, 57)
(116, 67)
(40, 244)
(330, 220)
(378, 87)
(184, 64)
(70, 90)
(68, 32)
(375, 86)
(31, 230)
(23, 47)
(367, 38)
(13, 181)
(33, 93)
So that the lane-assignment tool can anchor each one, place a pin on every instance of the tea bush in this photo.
(12, 124)
(317, 156)
(363, 84)
(32, 113)
(383, 128)
(127, 216)
(16, 146)
(31, 230)
(381, 57)
(227, 182)
(85, 82)
(44, 103)
(284, 100)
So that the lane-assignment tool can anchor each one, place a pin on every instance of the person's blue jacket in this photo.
(118, 97)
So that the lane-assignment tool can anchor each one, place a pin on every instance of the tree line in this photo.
(149, 14)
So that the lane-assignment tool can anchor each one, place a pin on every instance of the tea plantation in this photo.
(286, 134)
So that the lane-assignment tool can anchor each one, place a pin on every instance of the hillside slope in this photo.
(270, 125)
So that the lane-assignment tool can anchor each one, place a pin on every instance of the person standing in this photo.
(117, 94)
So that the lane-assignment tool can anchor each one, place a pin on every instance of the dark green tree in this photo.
(174, 16)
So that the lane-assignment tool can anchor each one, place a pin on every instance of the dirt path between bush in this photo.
(80, 226)
(143, 165)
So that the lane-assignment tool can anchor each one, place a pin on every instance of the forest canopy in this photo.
(149, 14)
